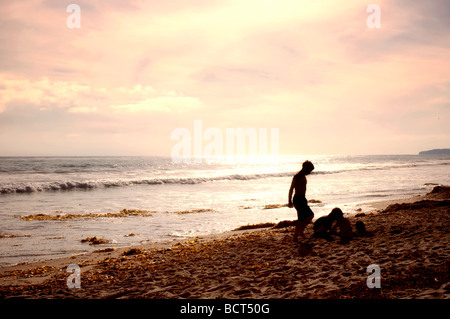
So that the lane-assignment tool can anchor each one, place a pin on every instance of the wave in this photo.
(86, 185)
(31, 187)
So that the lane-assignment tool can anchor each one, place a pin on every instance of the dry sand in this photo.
(411, 247)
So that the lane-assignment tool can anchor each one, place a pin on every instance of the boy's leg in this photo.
(300, 227)
(305, 223)
(302, 221)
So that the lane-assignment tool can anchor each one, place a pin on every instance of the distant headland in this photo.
(440, 151)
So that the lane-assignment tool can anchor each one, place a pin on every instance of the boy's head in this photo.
(307, 167)
(336, 213)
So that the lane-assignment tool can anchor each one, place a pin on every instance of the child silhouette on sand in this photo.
(322, 226)
(343, 224)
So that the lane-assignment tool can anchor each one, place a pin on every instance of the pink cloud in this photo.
(232, 64)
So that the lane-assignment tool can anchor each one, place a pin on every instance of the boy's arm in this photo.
(291, 189)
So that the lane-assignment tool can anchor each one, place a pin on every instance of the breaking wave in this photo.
(86, 185)
(31, 187)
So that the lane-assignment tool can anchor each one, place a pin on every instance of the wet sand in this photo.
(410, 245)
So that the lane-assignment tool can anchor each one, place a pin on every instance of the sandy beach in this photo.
(410, 246)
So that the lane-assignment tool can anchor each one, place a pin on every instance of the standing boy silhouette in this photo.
(304, 213)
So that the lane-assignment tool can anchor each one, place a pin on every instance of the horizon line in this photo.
(168, 156)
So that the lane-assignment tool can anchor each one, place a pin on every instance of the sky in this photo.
(135, 71)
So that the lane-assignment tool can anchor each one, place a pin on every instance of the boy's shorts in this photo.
(301, 205)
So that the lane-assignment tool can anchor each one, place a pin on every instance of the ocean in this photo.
(49, 204)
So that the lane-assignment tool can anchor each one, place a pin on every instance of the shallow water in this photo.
(234, 194)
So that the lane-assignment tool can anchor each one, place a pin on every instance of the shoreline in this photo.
(410, 246)
(375, 205)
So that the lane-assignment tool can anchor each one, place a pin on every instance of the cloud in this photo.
(311, 68)
(409, 28)
(82, 109)
(42, 93)
(177, 104)
(45, 94)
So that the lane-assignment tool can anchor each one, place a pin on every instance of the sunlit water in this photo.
(235, 194)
